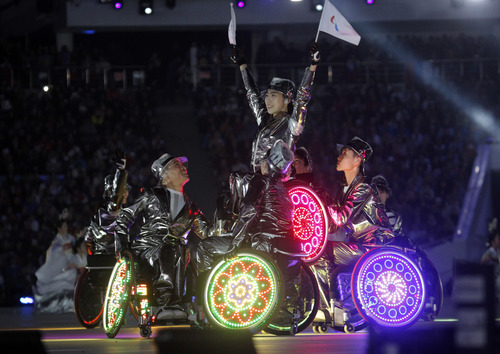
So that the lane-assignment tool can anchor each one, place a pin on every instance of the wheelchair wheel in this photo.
(306, 303)
(243, 293)
(310, 221)
(88, 299)
(117, 296)
(388, 288)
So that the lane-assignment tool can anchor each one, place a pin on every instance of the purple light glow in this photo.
(118, 5)
(389, 287)
(241, 4)
(369, 2)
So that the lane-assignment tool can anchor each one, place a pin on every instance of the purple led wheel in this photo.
(388, 288)
(310, 223)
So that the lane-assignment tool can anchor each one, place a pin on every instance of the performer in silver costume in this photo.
(168, 223)
(100, 237)
(279, 115)
(264, 219)
(357, 217)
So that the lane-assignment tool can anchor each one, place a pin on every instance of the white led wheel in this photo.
(310, 221)
(117, 296)
(243, 293)
(388, 288)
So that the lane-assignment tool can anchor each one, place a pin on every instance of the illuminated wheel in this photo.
(306, 303)
(117, 296)
(388, 288)
(88, 299)
(310, 222)
(243, 293)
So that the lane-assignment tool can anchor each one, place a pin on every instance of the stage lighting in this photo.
(146, 7)
(370, 2)
(240, 4)
(317, 5)
(118, 5)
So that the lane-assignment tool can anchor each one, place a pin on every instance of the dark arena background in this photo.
(80, 79)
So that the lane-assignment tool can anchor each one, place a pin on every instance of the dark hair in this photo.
(77, 244)
(59, 223)
(491, 237)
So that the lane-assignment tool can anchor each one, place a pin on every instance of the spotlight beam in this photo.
(478, 114)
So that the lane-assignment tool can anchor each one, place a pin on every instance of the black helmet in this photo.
(285, 86)
(380, 182)
(360, 147)
(279, 158)
(159, 164)
(303, 154)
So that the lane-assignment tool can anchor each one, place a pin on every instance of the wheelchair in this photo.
(90, 289)
(130, 287)
(250, 292)
(389, 287)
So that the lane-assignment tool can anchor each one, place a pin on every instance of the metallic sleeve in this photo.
(201, 225)
(255, 100)
(119, 185)
(340, 213)
(126, 218)
(298, 119)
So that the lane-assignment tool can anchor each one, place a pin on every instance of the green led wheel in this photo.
(243, 293)
(117, 296)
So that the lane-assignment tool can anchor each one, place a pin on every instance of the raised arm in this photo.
(255, 101)
(298, 118)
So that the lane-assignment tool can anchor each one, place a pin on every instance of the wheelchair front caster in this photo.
(321, 328)
(349, 328)
(145, 331)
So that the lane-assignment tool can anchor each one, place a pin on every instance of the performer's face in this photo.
(383, 194)
(275, 102)
(174, 175)
(347, 160)
(300, 166)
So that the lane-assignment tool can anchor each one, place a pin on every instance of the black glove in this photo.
(237, 56)
(120, 160)
(315, 58)
(231, 253)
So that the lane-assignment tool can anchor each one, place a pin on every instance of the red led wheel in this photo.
(310, 222)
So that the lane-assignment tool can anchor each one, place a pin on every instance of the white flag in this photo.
(333, 23)
(231, 30)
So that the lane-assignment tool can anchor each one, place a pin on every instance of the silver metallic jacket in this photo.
(100, 233)
(151, 213)
(361, 214)
(160, 240)
(283, 126)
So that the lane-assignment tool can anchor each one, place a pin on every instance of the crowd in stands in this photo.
(55, 145)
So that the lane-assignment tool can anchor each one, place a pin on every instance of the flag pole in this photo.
(319, 25)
